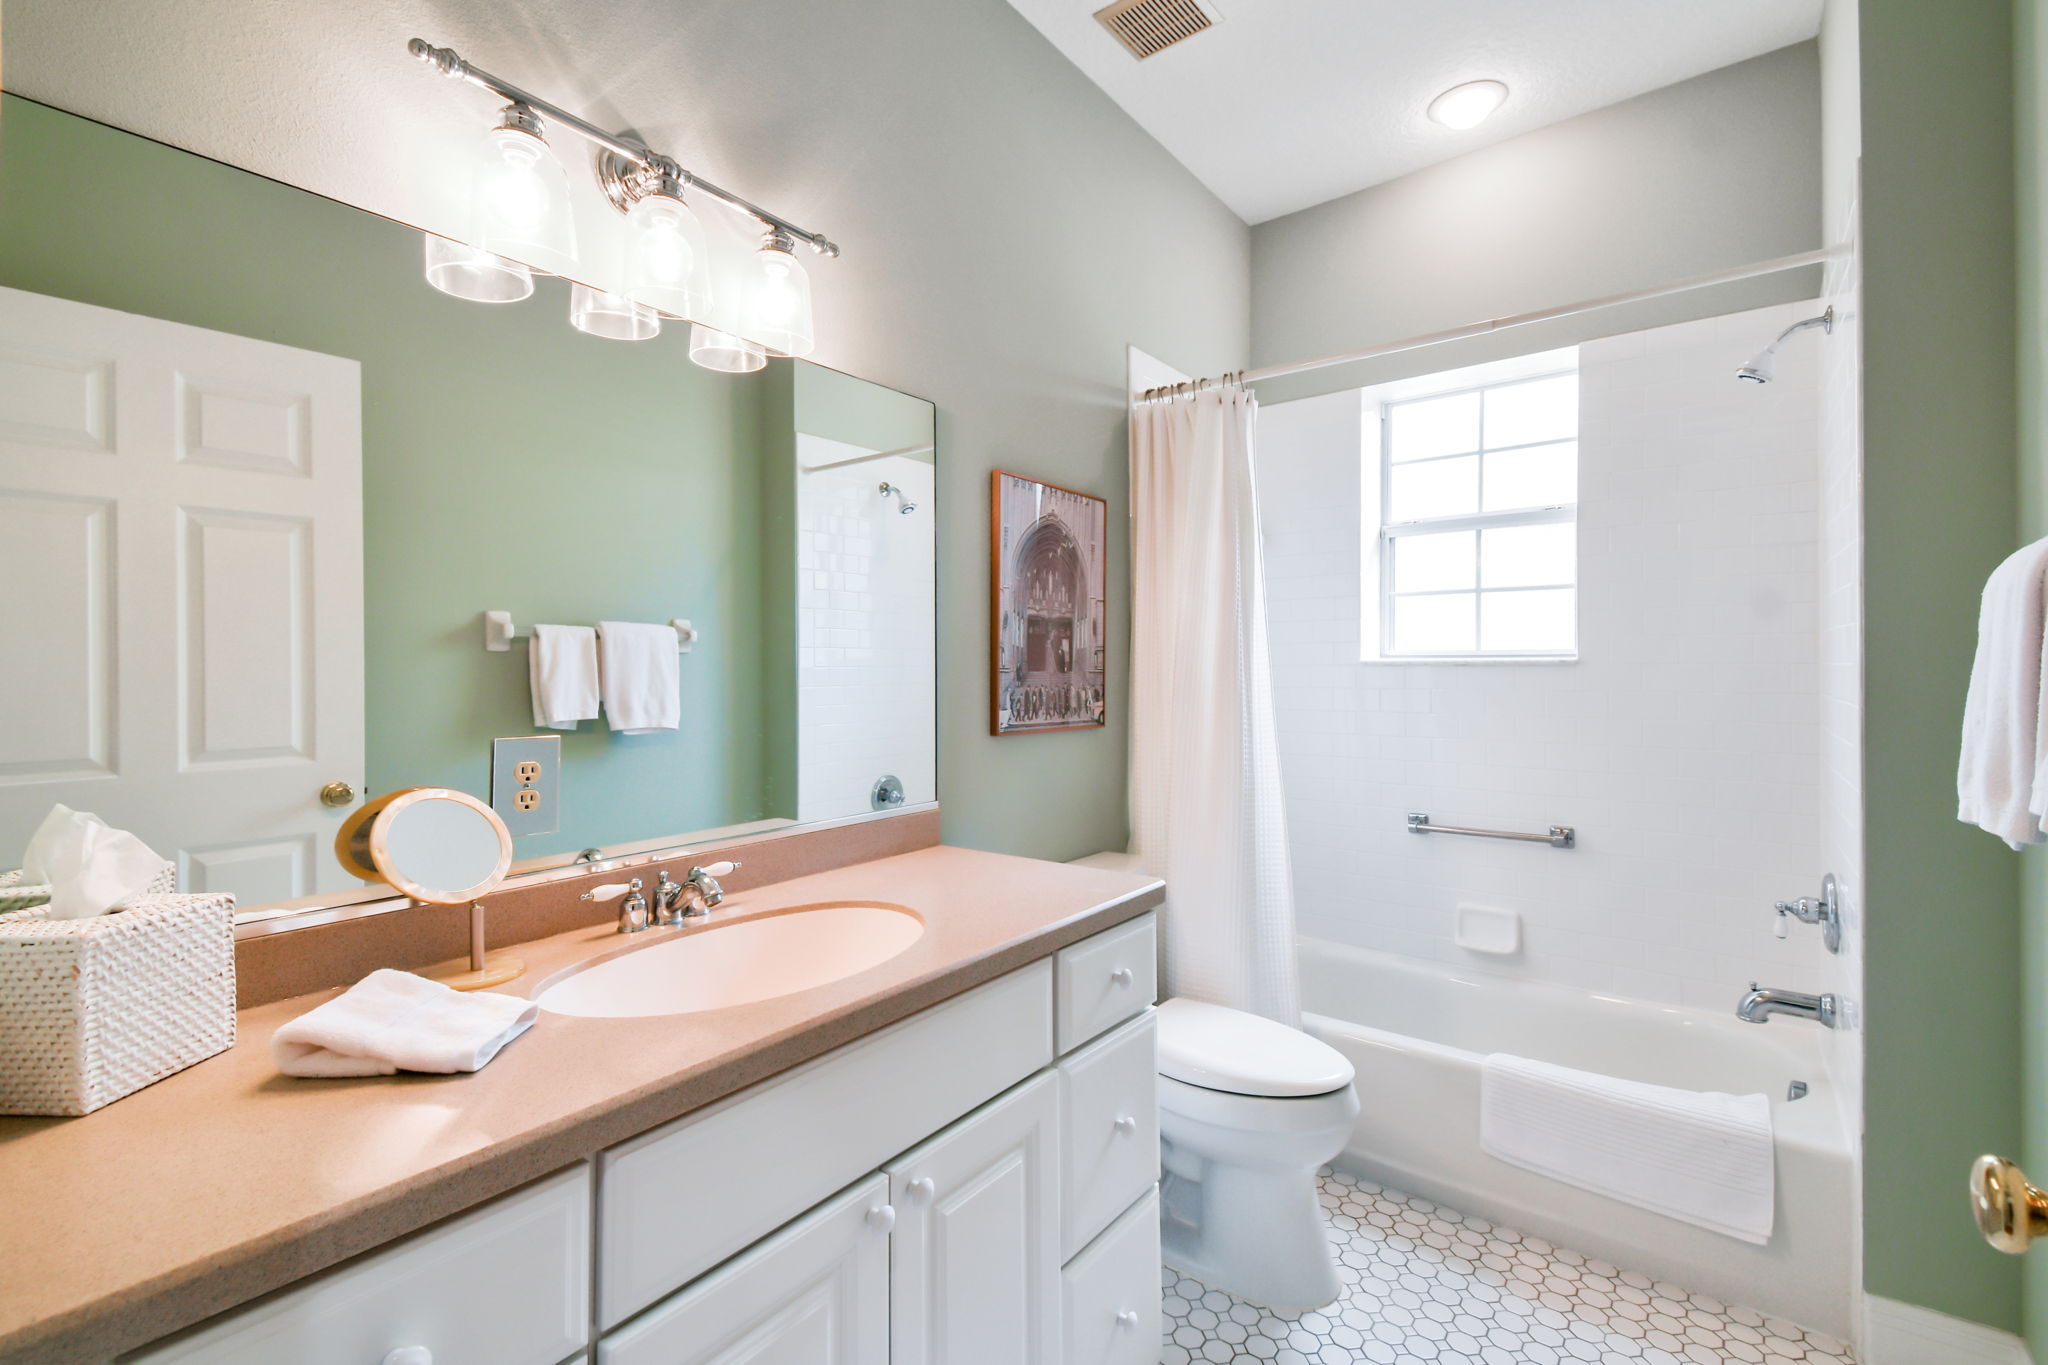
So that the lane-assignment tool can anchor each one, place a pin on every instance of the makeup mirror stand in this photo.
(484, 970)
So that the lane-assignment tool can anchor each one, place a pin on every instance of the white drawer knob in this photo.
(922, 1189)
(409, 1355)
(1127, 1126)
(1128, 1320)
(1122, 976)
(882, 1219)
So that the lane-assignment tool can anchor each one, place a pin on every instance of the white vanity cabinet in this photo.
(954, 1189)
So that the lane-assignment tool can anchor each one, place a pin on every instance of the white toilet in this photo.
(1248, 1109)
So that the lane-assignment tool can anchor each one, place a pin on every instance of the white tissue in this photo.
(89, 865)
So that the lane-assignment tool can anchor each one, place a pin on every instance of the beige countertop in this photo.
(228, 1180)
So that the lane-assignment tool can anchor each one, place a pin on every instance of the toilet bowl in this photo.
(1248, 1110)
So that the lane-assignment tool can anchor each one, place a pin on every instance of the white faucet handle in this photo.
(720, 869)
(610, 890)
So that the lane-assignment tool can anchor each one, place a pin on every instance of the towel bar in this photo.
(499, 633)
(1560, 836)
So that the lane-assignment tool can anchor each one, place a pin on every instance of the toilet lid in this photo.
(1225, 1049)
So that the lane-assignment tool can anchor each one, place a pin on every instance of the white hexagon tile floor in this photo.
(1425, 1284)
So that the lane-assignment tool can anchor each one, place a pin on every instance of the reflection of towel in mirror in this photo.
(562, 665)
(90, 866)
(640, 677)
(395, 1021)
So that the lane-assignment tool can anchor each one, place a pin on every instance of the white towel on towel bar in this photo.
(395, 1021)
(1697, 1156)
(2002, 777)
(641, 681)
(562, 672)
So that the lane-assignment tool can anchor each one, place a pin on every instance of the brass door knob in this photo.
(2010, 1211)
(337, 794)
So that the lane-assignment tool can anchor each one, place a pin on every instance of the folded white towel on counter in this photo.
(2002, 778)
(1698, 1156)
(395, 1021)
(89, 865)
(641, 684)
(562, 667)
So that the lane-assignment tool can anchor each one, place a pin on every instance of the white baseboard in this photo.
(1897, 1333)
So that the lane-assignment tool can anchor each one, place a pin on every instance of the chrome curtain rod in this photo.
(1743, 272)
(451, 64)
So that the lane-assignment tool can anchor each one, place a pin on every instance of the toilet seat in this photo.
(1228, 1050)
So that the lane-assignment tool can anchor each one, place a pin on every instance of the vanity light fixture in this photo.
(1468, 105)
(523, 224)
(472, 273)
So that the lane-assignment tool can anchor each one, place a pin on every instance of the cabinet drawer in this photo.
(677, 1201)
(1104, 980)
(506, 1284)
(1109, 1122)
(817, 1290)
(1111, 1292)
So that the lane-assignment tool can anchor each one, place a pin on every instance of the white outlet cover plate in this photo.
(544, 816)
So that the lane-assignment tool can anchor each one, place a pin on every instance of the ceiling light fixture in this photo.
(523, 223)
(1468, 105)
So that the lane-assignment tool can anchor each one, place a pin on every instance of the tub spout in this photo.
(1759, 1003)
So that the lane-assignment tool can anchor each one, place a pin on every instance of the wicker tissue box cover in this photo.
(94, 1009)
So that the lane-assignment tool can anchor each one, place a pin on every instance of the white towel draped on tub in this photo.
(562, 664)
(641, 678)
(395, 1021)
(1701, 1157)
(2002, 778)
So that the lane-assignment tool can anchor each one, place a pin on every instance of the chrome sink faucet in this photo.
(1759, 1003)
(697, 894)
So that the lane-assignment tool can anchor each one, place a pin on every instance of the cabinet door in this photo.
(815, 1293)
(974, 1265)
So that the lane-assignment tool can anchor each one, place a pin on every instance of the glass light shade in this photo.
(779, 304)
(668, 267)
(613, 316)
(1468, 105)
(470, 273)
(520, 200)
(716, 350)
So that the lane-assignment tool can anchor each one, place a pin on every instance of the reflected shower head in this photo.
(1764, 368)
(889, 489)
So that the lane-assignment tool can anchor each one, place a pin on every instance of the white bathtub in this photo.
(1416, 1032)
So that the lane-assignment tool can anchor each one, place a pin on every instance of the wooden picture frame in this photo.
(1048, 626)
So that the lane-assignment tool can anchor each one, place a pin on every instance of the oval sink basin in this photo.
(738, 964)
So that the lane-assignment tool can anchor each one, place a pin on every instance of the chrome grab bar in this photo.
(1560, 836)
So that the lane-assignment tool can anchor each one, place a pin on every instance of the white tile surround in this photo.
(864, 629)
(1684, 744)
(1425, 1285)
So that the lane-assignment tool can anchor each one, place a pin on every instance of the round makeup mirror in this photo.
(440, 846)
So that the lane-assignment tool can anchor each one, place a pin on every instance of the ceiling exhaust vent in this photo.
(1151, 26)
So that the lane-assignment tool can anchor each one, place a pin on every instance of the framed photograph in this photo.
(1046, 615)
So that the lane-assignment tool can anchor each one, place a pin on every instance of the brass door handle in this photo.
(337, 794)
(2011, 1211)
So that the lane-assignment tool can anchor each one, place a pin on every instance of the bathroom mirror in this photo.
(435, 845)
(260, 484)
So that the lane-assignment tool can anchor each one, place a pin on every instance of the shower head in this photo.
(1764, 368)
(890, 489)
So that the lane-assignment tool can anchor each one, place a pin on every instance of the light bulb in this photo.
(667, 266)
(613, 316)
(779, 302)
(470, 273)
(1468, 105)
(520, 197)
(716, 350)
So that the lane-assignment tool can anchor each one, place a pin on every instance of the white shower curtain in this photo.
(1206, 809)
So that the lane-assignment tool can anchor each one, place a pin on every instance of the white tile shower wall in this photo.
(1684, 744)
(864, 629)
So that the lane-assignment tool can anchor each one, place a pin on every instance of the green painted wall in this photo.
(1942, 982)
(2030, 133)
(509, 461)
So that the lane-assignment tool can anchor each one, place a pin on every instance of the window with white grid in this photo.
(1478, 537)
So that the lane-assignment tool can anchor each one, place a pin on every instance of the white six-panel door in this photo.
(180, 590)
(974, 1264)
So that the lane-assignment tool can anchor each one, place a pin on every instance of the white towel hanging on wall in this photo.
(2002, 776)
(639, 677)
(562, 668)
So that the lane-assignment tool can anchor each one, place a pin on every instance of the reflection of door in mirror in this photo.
(187, 504)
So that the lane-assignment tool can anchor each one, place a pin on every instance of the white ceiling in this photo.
(1288, 103)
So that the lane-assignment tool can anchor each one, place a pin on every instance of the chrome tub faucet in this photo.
(1759, 1003)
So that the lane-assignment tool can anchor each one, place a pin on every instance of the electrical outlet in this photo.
(526, 783)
